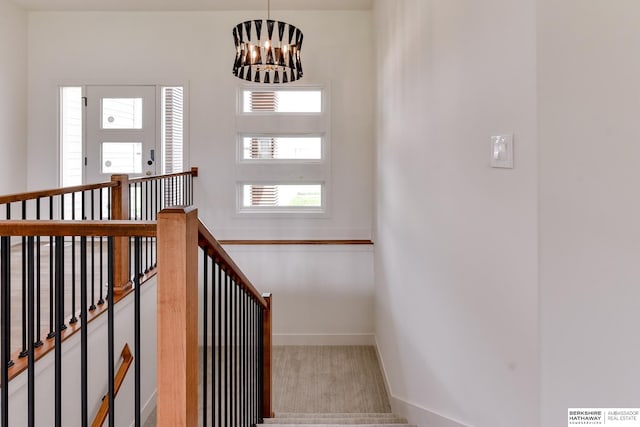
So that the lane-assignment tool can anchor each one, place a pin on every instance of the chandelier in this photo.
(267, 51)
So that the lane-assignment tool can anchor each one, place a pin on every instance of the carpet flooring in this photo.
(334, 379)
(328, 381)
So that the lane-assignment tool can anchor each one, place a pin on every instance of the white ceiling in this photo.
(150, 5)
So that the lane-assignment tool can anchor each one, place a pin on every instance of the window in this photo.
(121, 157)
(71, 135)
(282, 195)
(122, 113)
(282, 101)
(173, 129)
(282, 151)
(269, 148)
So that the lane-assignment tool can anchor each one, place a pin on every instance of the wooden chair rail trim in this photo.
(127, 359)
(294, 242)
(12, 198)
(215, 250)
(193, 172)
(116, 228)
(48, 344)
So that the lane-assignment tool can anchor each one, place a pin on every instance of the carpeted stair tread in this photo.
(337, 425)
(335, 415)
(335, 421)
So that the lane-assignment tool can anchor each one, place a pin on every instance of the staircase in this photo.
(290, 419)
(330, 386)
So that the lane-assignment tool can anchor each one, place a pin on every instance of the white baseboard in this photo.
(415, 414)
(323, 339)
(420, 416)
(148, 407)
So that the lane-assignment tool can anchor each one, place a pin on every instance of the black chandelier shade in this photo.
(267, 51)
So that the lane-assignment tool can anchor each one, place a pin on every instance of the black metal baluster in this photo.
(257, 360)
(260, 363)
(24, 351)
(101, 256)
(232, 352)
(205, 331)
(244, 358)
(52, 328)
(83, 210)
(213, 339)
(236, 396)
(73, 319)
(253, 366)
(61, 325)
(110, 334)
(38, 343)
(180, 181)
(59, 270)
(155, 239)
(93, 250)
(146, 210)
(31, 362)
(226, 349)
(138, 346)
(84, 366)
(174, 185)
(5, 319)
(219, 331)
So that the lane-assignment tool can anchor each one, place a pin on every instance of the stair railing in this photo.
(138, 199)
(62, 232)
(236, 322)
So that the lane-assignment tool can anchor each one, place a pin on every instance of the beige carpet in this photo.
(318, 379)
(335, 379)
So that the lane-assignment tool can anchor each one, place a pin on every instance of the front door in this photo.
(121, 132)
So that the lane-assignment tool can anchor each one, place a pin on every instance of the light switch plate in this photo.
(502, 151)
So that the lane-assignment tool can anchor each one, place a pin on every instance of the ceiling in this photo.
(158, 5)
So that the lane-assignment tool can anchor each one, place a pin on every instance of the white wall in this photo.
(456, 241)
(121, 47)
(321, 294)
(13, 102)
(589, 101)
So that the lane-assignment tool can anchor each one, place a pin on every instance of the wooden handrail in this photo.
(12, 198)
(77, 228)
(215, 250)
(193, 172)
(294, 242)
(103, 412)
(19, 197)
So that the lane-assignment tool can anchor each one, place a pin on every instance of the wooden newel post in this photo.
(267, 361)
(121, 248)
(177, 317)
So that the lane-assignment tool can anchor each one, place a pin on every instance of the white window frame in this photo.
(240, 148)
(283, 171)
